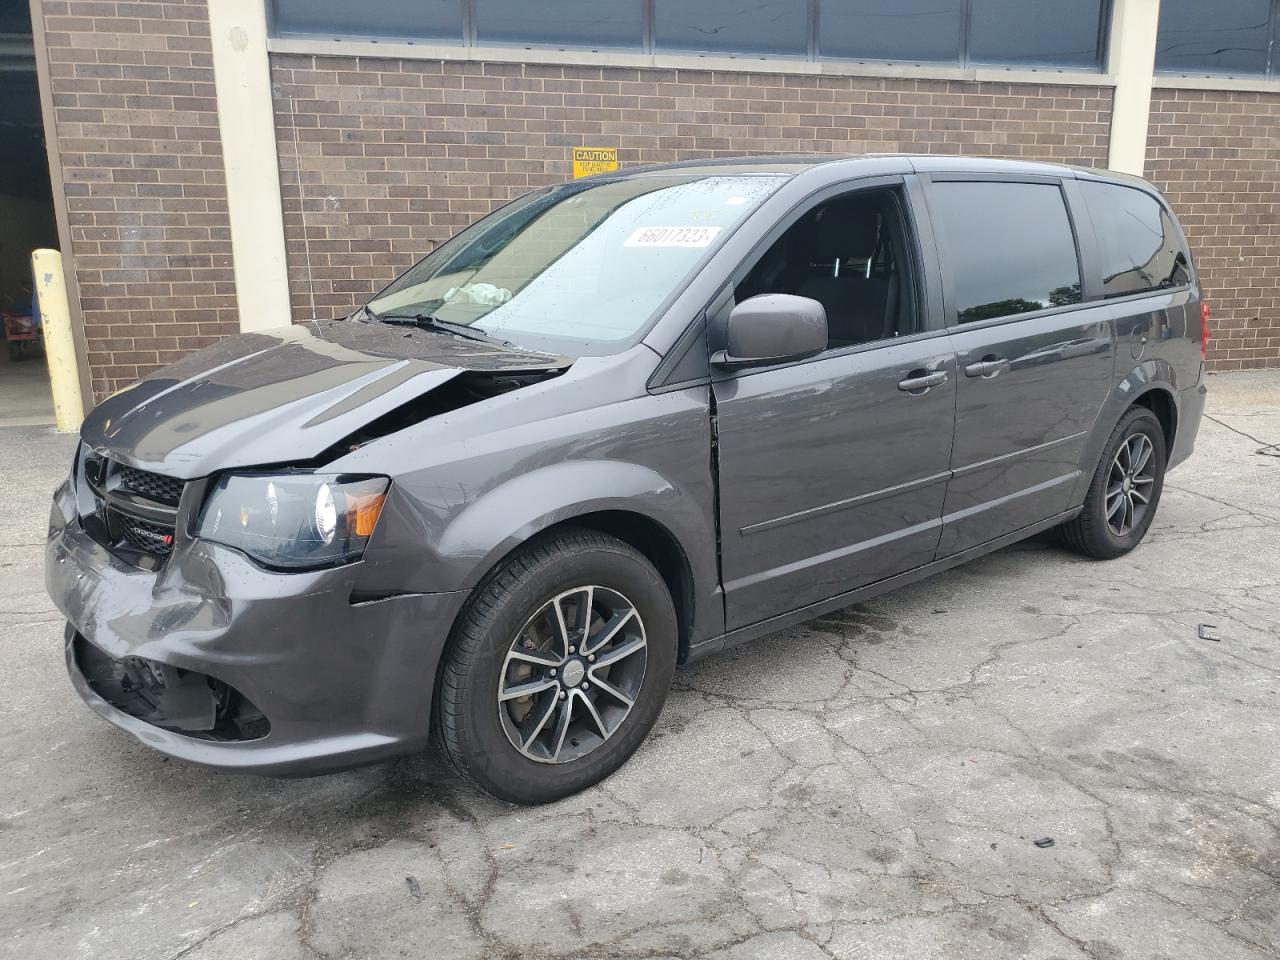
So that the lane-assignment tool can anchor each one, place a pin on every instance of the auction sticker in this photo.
(672, 237)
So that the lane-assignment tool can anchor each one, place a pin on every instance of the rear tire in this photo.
(585, 624)
(1124, 492)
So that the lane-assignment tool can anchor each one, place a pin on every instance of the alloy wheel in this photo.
(1129, 484)
(572, 674)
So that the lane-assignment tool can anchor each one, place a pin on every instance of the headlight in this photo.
(294, 520)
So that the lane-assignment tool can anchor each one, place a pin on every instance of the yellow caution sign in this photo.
(589, 160)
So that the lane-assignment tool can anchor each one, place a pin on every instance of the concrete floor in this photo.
(25, 399)
(867, 786)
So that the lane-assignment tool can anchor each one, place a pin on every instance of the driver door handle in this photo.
(987, 367)
(918, 381)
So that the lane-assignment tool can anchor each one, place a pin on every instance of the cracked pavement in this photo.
(868, 785)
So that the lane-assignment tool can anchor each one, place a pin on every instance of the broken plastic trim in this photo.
(467, 388)
(186, 702)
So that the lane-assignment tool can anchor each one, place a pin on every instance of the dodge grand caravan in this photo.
(617, 425)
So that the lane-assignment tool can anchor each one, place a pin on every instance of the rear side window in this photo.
(1137, 241)
(1009, 247)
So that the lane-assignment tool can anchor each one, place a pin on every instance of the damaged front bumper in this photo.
(215, 660)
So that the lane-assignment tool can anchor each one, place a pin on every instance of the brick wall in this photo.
(1217, 157)
(396, 155)
(137, 124)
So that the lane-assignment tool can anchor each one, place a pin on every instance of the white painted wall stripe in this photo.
(1132, 61)
(242, 78)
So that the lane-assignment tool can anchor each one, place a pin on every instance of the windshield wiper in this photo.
(428, 322)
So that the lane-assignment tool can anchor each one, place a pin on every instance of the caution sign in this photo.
(589, 160)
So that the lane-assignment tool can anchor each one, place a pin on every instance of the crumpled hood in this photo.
(284, 395)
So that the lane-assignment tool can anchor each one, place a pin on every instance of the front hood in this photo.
(285, 395)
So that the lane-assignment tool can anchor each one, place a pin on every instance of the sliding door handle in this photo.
(918, 381)
(987, 367)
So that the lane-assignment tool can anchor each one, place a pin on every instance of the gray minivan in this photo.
(617, 425)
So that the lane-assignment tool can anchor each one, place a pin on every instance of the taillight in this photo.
(1204, 329)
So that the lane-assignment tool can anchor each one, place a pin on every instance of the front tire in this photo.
(1125, 490)
(557, 668)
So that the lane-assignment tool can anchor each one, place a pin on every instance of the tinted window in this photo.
(1139, 246)
(1062, 32)
(1226, 36)
(1009, 247)
(732, 26)
(909, 30)
(385, 19)
(615, 23)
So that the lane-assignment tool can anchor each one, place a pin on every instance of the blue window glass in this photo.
(732, 26)
(1060, 33)
(381, 20)
(908, 31)
(1226, 36)
(571, 23)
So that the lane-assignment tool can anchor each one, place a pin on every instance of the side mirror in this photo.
(773, 328)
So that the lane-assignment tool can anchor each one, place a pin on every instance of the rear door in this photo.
(832, 471)
(1034, 352)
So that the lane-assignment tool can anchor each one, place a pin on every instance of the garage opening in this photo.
(26, 224)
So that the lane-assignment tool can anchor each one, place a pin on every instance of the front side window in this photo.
(1009, 247)
(1136, 237)
(578, 269)
(851, 254)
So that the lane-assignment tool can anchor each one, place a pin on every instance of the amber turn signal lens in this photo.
(363, 511)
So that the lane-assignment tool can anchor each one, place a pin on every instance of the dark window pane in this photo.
(385, 19)
(1009, 247)
(610, 23)
(732, 26)
(1139, 245)
(1226, 36)
(851, 254)
(1050, 32)
(909, 30)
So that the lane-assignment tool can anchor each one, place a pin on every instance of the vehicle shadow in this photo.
(404, 797)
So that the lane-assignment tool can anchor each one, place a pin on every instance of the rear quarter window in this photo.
(1009, 247)
(1138, 244)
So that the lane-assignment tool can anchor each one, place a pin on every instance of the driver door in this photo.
(833, 470)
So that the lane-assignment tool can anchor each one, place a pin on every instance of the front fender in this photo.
(497, 523)
(508, 515)
(1153, 374)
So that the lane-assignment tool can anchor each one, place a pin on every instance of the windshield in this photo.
(577, 269)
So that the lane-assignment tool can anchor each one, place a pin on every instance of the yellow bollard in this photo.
(59, 342)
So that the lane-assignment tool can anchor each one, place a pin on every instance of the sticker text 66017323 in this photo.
(672, 237)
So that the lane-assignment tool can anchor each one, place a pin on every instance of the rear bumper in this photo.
(339, 683)
(1190, 412)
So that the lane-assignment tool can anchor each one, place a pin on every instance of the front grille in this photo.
(153, 486)
(133, 512)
